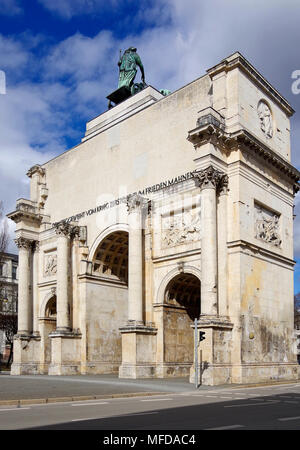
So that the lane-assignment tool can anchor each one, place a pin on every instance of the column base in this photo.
(65, 353)
(211, 374)
(214, 352)
(138, 350)
(135, 371)
(172, 370)
(26, 355)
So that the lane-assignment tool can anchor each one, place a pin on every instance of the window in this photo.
(14, 272)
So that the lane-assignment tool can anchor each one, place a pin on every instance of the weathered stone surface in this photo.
(122, 298)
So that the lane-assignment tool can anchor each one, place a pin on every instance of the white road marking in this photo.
(137, 414)
(252, 404)
(14, 409)
(91, 404)
(289, 418)
(227, 427)
(88, 418)
(157, 400)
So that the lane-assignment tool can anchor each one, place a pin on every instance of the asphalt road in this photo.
(263, 408)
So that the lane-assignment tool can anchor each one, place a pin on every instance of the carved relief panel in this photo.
(267, 225)
(50, 264)
(180, 227)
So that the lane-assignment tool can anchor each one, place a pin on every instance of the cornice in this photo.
(255, 249)
(36, 169)
(244, 140)
(248, 140)
(26, 210)
(238, 61)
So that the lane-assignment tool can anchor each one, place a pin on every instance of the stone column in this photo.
(63, 231)
(65, 343)
(24, 300)
(35, 298)
(215, 348)
(222, 245)
(135, 205)
(208, 180)
(138, 339)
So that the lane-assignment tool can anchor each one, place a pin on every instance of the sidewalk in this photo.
(45, 389)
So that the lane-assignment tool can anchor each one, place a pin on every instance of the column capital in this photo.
(36, 246)
(22, 242)
(63, 229)
(223, 185)
(209, 178)
(135, 201)
(66, 229)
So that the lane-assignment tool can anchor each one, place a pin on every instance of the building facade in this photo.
(8, 297)
(172, 208)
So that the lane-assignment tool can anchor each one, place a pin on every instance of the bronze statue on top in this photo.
(128, 63)
(127, 66)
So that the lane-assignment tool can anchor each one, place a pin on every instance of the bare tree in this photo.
(9, 324)
(3, 247)
(3, 231)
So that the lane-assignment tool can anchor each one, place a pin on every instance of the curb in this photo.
(37, 401)
(268, 383)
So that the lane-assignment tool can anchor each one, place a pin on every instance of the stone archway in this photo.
(111, 257)
(47, 321)
(181, 306)
(107, 302)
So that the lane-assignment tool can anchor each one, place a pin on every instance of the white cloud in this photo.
(12, 54)
(69, 8)
(10, 7)
(80, 57)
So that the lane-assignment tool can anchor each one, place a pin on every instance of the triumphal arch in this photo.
(173, 207)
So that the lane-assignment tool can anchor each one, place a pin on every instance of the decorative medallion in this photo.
(265, 118)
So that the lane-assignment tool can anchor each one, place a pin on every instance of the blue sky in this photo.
(60, 60)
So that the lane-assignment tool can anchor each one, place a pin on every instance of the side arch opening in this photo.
(182, 304)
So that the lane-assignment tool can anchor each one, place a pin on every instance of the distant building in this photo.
(8, 292)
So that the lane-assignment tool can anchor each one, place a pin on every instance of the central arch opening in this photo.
(182, 305)
(107, 303)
